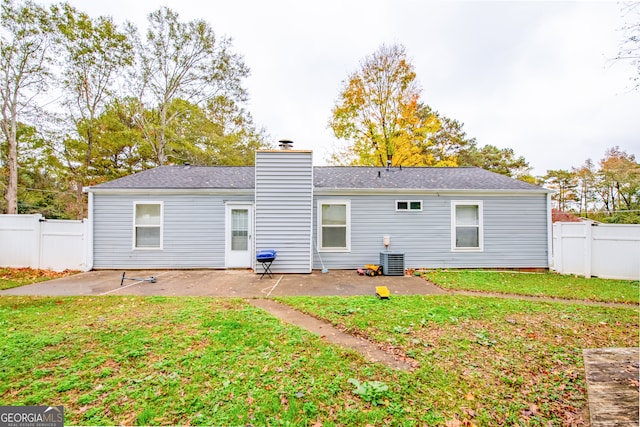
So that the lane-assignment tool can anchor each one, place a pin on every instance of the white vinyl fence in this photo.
(591, 249)
(36, 242)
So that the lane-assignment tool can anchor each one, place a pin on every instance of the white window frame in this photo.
(135, 226)
(347, 204)
(408, 202)
(478, 203)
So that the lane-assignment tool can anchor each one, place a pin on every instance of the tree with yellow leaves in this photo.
(380, 115)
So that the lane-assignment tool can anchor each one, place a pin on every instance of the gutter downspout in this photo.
(89, 230)
(312, 241)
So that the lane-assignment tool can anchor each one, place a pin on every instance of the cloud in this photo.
(532, 76)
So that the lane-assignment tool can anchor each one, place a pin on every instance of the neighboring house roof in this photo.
(326, 177)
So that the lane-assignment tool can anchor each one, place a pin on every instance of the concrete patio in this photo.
(225, 283)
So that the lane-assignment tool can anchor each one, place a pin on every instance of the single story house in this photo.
(217, 217)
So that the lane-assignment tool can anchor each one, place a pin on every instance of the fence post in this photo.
(550, 252)
(588, 243)
(557, 247)
(37, 243)
(86, 239)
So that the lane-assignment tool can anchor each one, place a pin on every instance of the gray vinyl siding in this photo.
(515, 232)
(283, 208)
(193, 232)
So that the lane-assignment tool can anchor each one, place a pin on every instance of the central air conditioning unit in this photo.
(392, 263)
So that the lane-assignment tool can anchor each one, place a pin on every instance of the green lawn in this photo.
(485, 360)
(206, 361)
(14, 277)
(538, 284)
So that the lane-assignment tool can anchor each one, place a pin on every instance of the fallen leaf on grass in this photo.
(457, 423)
(531, 412)
(469, 412)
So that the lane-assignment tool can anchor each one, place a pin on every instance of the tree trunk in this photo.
(79, 200)
(585, 191)
(11, 195)
(162, 158)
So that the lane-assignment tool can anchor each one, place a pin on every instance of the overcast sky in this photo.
(533, 76)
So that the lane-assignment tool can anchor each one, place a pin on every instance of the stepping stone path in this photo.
(612, 386)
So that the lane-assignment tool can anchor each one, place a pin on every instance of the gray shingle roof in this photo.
(445, 178)
(326, 177)
(187, 177)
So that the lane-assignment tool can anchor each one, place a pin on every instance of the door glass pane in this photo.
(239, 229)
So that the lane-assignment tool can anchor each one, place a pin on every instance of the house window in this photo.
(408, 205)
(466, 226)
(147, 225)
(334, 219)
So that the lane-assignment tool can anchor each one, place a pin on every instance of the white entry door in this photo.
(238, 240)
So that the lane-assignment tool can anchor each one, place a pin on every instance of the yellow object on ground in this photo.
(373, 269)
(382, 292)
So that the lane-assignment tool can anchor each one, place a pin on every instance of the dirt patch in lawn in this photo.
(329, 333)
(539, 298)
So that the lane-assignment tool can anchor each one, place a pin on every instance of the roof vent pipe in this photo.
(285, 144)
